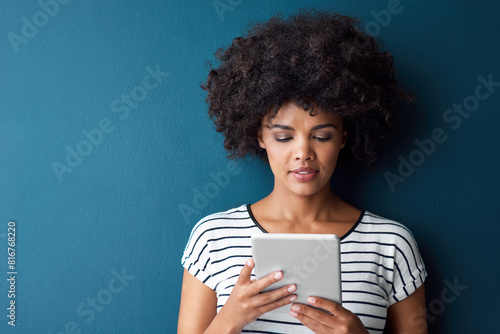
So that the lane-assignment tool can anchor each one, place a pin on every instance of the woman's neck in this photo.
(321, 207)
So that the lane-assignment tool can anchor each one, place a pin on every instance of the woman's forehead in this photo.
(292, 113)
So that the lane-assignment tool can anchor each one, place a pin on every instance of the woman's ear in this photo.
(344, 139)
(259, 139)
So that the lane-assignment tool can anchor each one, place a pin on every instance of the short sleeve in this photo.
(409, 268)
(196, 257)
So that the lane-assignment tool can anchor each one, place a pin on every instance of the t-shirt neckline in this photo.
(249, 210)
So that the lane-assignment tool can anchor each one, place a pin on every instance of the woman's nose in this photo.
(303, 150)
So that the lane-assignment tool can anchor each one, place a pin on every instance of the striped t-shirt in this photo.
(380, 265)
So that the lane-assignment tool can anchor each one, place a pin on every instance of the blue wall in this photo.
(105, 147)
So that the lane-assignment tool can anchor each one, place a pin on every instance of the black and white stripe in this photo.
(381, 265)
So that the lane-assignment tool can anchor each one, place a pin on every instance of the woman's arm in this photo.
(198, 305)
(408, 316)
(404, 317)
(247, 302)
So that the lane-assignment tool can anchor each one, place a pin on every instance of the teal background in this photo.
(121, 207)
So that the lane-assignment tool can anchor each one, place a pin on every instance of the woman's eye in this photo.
(322, 138)
(282, 139)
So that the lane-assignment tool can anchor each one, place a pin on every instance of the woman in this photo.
(297, 92)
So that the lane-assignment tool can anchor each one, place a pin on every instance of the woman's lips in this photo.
(304, 174)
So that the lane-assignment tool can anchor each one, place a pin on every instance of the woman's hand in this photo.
(339, 321)
(247, 302)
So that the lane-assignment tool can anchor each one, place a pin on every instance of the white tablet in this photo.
(311, 261)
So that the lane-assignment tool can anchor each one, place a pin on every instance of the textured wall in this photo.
(107, 157)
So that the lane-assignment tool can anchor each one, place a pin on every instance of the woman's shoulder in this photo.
(376, 220)
(378, 227)
(234, 213)
(222, 219)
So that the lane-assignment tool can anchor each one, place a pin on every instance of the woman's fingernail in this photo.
(293, 313)
(292, 288)
(295, 307)
(278, 275)
(293, 298)
(249, 262)
(311, 300)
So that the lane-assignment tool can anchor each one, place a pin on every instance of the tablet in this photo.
(311, 261)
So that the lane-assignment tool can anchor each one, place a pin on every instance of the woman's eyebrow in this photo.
(317, 127)
(322, 126)
(279, 126)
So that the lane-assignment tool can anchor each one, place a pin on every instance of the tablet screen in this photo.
(311, 261)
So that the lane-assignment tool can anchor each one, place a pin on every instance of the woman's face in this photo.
(302, 150)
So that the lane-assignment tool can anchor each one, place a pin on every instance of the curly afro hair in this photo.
(314, 58)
